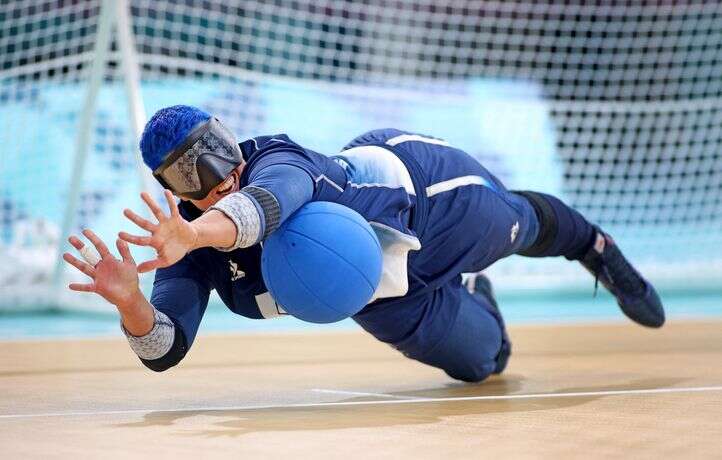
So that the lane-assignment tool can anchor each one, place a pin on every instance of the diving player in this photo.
(438, 213)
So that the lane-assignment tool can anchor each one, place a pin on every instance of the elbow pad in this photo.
(156, 343)
(254, 211)
(268, 204)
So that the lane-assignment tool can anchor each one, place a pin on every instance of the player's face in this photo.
(229, 185)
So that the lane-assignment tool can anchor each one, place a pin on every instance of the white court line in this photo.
(370, 403)
(361, 393)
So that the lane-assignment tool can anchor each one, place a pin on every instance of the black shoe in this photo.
(479, 285)
(635, 295)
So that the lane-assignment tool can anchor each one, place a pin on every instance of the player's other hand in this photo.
(116, 280)
(172, 237)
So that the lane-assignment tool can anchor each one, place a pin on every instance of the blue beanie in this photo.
(166, 130)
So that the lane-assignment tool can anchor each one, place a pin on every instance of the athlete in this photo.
(437, 211)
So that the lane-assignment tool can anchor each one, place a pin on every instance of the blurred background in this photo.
(614, 106)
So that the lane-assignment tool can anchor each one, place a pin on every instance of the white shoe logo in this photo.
(514, 231)
(236, 274)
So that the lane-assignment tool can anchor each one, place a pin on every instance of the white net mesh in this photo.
(616, 107)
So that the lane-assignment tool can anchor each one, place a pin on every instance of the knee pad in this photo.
(548, 224)
(563, 231)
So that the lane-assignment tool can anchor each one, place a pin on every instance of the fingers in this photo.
(80, 265)
(139, 221)
(124, 251)
(171, 204)
(90, 287)
(76, 242)
(137, 240)
(98, 243)
(154, 208)
(88, 254)
(150, 265)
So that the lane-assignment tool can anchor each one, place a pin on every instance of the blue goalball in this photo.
(323, 263)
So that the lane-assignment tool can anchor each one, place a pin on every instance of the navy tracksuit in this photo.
(438, 213)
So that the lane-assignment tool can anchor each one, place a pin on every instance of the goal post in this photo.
(114, 16)
(96, 74)
(53, 74)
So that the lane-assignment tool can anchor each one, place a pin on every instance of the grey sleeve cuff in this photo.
(242, 210)
(270, 207)
(157, 342)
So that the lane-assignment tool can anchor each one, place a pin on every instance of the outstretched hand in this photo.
(113, 279)
(172, 237)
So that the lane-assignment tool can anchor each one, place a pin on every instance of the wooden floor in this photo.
(569, 391)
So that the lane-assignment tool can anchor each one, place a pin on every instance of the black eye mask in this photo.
(204, 160)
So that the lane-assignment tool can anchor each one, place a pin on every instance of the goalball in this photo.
(323, 264)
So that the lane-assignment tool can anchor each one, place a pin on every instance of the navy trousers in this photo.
(468, 345)
(468, 228)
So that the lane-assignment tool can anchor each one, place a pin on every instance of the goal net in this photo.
(615, 107)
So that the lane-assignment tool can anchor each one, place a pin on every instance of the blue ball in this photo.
(323, 263)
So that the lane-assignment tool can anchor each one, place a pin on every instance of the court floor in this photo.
(570, 391)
